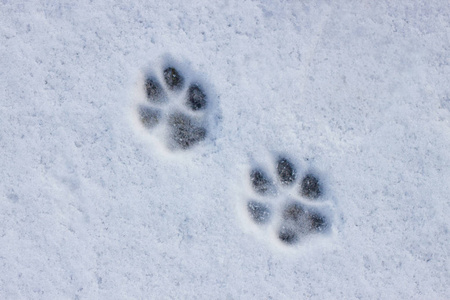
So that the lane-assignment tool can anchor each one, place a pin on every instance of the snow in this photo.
(92, 206)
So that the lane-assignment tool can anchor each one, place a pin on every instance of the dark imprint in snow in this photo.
(184, 129)
(298, 220)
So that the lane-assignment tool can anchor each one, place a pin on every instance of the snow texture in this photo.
(97, 204)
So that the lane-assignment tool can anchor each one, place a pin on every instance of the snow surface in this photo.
(90, 208)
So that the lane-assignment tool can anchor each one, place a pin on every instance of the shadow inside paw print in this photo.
(300, 220)
(176, 108)
(173, 79)
(260, 182)
(184, 133)
(297, 219)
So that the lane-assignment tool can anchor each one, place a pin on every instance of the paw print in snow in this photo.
(290, 206)
(175, 107)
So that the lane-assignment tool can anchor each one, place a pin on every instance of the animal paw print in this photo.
(176, 107)
(290, 204)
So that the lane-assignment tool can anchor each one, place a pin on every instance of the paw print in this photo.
(175, 106)
(289, 204)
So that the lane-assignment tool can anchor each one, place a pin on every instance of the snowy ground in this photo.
(92, 206)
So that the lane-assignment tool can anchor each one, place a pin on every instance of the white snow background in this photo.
(91, 209)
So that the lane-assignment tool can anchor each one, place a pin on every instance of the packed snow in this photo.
(94, 205)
